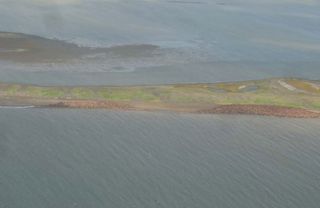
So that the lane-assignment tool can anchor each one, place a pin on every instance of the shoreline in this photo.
(281, 97)
(263, 110)
(259, 110)
(232, 109)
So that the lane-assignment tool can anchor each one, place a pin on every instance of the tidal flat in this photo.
(26, 48)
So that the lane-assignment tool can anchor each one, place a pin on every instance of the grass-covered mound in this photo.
(293, 93)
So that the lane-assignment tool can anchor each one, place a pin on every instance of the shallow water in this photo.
(97, 158)
(199, 41)
(187, 73)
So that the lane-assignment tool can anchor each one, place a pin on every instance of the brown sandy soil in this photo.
(266, 110)
(137, 106)
(91, 104)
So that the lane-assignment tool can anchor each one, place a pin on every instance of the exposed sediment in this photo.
(262, 110)
(272, 97)
(265, 110)
(91, 104)
(23, 48)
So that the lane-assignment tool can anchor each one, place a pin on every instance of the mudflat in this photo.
(24, 48)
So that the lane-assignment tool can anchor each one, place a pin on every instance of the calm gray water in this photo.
(96, 158)
(199, 41)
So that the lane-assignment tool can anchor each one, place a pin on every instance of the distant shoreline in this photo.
(282, 97)
(260, 110)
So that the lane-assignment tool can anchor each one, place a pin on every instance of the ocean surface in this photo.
(63, 158)
(198, 41)
(98, 158)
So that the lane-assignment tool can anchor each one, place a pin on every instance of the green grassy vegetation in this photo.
(125, 94)
(263, 92)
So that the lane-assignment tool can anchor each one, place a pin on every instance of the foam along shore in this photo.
(282, 97)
